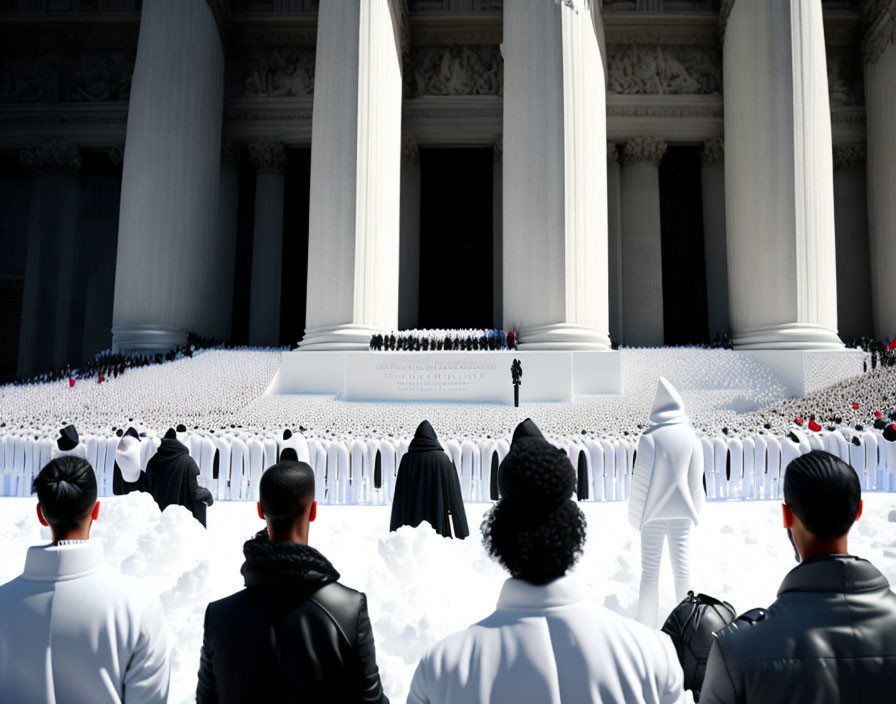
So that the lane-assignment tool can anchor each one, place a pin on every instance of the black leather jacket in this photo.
(292, 635)
(830, 638)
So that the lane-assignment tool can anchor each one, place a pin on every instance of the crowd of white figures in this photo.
(363, 470)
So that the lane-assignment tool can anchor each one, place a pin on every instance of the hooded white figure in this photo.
(666, 497)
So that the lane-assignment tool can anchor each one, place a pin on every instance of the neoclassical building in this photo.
(644, 172)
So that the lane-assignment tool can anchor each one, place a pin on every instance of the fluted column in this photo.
(165, 281)
(555, 208)
(779, 195)
(50, 258)
(228, 221)
(880, 116)
(498, 233)
(409, 267)
(614, 236)
(354, 221)
(642, 246)
(269, 160)
(851, 219)
(712, 179)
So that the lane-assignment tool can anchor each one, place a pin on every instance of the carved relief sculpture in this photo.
(277, 73)
(663, 70)
(456, 70)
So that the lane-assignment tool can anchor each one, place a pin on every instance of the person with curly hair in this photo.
(548, 641)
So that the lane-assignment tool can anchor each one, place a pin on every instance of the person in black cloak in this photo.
(171, 478)
(427, 487)
(128, 475)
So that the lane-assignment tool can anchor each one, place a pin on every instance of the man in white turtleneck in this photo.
(73, 629)
(666, 496)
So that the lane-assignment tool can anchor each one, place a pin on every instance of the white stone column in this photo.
(779, 195)
(498, 234)
(854, 310)
(880, 117)
(409, 265)
(353, 229)
(50, 257)
(712, 181)
(269, 160)
(642, 246)
(228, 222)
(167, 247)
(555, 209)
(614, 236)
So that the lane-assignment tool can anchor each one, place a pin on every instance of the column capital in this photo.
(410, 151)
(498, 148)
(849, 157)
(612, 153)
(116, 155)
(268, 157)
(644, 149)
(231, 154)
(880, 29)
(51, 155)
(713, 152)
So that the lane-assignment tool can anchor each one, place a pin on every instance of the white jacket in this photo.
(73, 629)
(546, 645)
(668, 475)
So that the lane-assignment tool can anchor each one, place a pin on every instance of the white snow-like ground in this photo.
(420, 586)
(220, 389)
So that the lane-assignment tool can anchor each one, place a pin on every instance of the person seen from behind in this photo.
(830, 637)
(294, 634)
(548, 641)
(73, 629)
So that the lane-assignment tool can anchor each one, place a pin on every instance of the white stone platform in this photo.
(439, 376)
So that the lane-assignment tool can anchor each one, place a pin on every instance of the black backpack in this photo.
(691, 626)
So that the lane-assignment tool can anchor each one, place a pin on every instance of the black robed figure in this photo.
(171, 478)
(427, 487)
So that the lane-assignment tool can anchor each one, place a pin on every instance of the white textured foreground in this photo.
(420, 586)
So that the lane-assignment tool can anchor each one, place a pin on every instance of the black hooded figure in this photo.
(427, 487)
(171, 478)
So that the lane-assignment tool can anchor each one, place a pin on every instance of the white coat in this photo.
(546, 645)
(73, 629)
(668, 481)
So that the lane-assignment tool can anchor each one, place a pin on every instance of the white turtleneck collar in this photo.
(520, 594)
(54, 563)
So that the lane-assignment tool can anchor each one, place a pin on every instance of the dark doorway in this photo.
(684, 275)
(293, 281)
(456, 248)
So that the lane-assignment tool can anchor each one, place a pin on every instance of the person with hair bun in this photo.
(72, 628)
(830, 637)
(548, 641)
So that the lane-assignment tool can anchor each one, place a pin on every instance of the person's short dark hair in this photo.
(66, 491)
(535, 530)
(823, 492)
(286, 491)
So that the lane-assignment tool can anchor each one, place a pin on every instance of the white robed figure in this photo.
(666, 496)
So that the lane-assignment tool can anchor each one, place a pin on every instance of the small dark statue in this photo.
(516, 373)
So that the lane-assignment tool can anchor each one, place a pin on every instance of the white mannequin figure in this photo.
(666, 498)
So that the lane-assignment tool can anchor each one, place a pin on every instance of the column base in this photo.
(338, 337)
(787, 336)
(563, 336)
(146, 339)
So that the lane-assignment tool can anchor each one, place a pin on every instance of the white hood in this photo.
(667, 405)
(127, 456)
